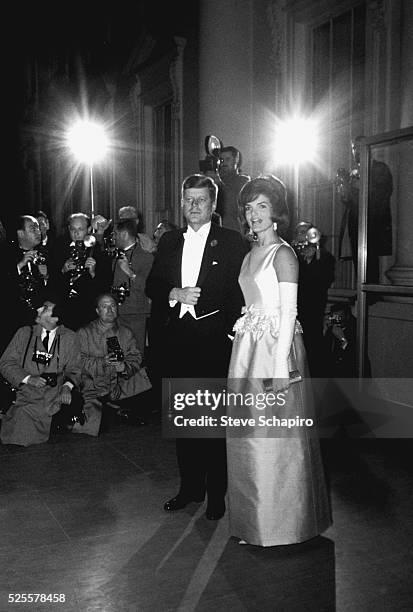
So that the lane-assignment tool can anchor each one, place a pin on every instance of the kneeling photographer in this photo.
(42, 363)
(111, 372)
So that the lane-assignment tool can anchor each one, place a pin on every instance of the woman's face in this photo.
(258, 214)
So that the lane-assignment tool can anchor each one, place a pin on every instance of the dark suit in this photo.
(199, 347)
(79, 310)
(24, 291)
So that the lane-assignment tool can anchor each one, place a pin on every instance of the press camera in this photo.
(213, 146)
(42, 357)
(80, 251)
(120, 293)
(114, 348)
(39, 259)
(50, 378)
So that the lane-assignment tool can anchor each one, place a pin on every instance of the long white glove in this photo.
(288, 303)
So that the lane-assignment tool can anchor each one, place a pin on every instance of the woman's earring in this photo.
(252, 236)
(274, 226)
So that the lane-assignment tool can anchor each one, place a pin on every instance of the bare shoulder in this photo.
(286, 264)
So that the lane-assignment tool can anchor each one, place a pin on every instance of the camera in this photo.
(78, 255)
(50, 378)
(39, 259)
(213, 146)
(114, 348)
(42, 357)
(120, 293)
(80, 251)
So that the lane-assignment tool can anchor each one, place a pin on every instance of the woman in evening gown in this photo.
(276, 486)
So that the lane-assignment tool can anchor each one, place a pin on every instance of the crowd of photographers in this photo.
(76, 311)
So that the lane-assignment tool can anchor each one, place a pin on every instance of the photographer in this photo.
(316, 274)
(80, 271)
(42, 363)
(25, 275)
(379, 219)
(110, 364)
(130, 271)
(230, 181)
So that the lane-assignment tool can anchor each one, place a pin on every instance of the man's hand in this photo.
(28, 256)
(36, 381)
(124, 266)
(147, 243)
(90, 265)
(65, 395)
(114, 363)
(186, 295)
(68, 265)
(43, 271)
(100, 224)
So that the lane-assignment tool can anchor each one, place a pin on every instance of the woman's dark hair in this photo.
(275, 190)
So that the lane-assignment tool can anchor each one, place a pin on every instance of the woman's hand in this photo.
(280, 385)
(281, 380)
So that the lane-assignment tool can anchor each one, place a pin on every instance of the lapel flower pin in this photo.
(214, 243)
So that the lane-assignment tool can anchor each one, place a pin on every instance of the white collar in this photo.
(51, 332)
(201, 233)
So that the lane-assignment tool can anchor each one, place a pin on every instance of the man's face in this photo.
(121, 238)
(107, 309)
(300, 234)
(78, 229)
(228, 165)
(197, 206)
(30, 236)
(44, 316)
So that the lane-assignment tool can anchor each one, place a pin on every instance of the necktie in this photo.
(46, 340)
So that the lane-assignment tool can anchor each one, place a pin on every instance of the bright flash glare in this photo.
(295, 141)
(87, 141)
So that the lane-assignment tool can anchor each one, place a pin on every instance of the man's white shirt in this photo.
(192, 253)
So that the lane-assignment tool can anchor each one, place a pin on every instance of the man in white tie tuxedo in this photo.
(42, 363)
(194, 284)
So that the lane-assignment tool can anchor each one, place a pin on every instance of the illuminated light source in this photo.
(88, 142)
(295, 141)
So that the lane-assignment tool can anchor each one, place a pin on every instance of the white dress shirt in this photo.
(192, 254)
(52, 334)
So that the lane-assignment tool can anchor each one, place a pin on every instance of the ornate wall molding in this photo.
(277, 22)
(176, 73)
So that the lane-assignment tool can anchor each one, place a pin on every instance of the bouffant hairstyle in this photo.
(275, 190)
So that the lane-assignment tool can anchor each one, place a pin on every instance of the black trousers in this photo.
(202, 466)
(199, 349)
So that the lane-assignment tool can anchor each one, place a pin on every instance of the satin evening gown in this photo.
(276, 485)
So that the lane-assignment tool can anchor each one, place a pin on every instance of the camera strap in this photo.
(27, 347)
(55, 345)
